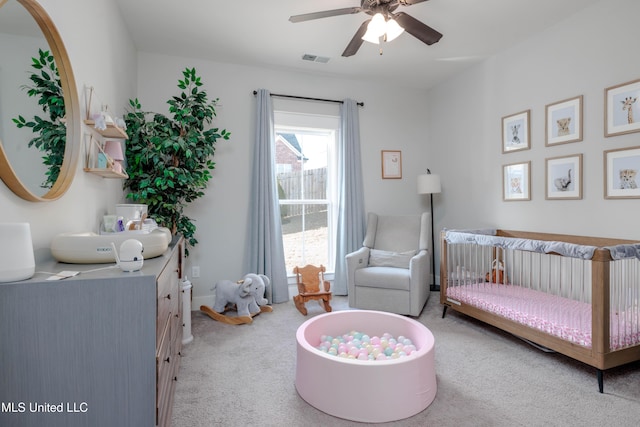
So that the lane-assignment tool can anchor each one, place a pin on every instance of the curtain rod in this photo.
(255, 92)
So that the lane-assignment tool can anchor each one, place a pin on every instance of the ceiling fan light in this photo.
(371, 38)
(378, 25)
(393, 29)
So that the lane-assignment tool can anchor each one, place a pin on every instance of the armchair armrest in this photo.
(356, 260)
(419, 267)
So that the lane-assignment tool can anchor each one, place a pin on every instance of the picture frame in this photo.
(564, 177)
(391, 164)
(622, 109)
(516, 181)
(516, 132)
(563, 121)
(621, 179)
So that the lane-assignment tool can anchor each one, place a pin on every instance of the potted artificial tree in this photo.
(169, 158)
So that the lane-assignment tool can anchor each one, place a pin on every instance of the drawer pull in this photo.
(167, 359)
(168, 296)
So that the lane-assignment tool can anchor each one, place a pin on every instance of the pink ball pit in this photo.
(373, 391)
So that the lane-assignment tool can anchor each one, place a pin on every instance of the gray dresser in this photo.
(98, 349)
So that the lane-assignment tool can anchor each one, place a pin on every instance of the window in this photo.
(306, 179)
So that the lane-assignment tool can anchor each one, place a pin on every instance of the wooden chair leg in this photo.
(297, 300)
(327, 307)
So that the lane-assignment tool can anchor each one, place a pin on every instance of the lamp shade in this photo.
(393, 29)
(17, 261)
(114, 149)
(429, 184)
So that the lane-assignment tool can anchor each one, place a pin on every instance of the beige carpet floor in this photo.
(244, 376)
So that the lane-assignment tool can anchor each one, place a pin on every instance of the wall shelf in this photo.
(112, 131)
(107, 173)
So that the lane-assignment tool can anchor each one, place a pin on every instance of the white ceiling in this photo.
(258, 32)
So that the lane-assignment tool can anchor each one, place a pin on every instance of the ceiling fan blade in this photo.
(409, 2)
(417, 29)
(324, 14)
(356, 41)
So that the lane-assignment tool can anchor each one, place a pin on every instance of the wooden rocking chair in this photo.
(309, 279)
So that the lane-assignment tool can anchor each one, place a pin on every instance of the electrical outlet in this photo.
(195, 271)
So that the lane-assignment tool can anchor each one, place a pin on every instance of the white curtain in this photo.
(351, 216)
(266, 250)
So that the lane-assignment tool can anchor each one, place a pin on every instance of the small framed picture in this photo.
(621, 180)
(391, 164)
(516, 181)
(563, 121)
(622, 109)
(564, 177)
(516, 132)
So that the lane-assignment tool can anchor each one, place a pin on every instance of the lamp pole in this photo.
(429, 184)
(434, 287)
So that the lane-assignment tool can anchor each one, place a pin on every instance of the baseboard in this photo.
(196, 302)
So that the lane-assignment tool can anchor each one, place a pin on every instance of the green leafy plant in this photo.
(170, 157)
(50, 132)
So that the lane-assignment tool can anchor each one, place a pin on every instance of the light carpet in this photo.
(244, 376)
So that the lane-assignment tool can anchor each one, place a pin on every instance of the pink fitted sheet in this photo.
(562, 317)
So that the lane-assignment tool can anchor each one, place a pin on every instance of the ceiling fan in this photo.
(385, 8)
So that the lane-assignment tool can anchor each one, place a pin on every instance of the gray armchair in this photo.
(391, 271)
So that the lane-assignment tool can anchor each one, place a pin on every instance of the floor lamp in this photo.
(429, 184)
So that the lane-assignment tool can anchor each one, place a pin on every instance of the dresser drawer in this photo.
(168, 295)
(164, 372)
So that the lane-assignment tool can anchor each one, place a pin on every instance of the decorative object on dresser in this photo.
(103, 340)
(575, 295)
(430, 184)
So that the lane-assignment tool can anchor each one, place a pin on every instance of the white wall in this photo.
(454, 130)
(392, 118)
(594, 49)
(102, 55)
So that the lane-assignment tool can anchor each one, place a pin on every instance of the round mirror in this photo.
(39, 142)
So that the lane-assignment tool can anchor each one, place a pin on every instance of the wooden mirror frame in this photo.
(70, 93)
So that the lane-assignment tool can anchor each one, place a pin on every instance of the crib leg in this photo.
(600, 380)
(444, 311)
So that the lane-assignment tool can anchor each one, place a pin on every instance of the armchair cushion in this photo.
(384, 277)
(380, 258)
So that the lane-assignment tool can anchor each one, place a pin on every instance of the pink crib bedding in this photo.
(562, 317)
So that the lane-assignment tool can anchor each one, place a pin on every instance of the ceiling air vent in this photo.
(315, 58)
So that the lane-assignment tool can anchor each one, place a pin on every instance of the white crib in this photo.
(579, 296)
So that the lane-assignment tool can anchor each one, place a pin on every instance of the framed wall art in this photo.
(516, 181)
(391, 164)
(563, 122)
(621, 179)
(516, 133)
(622, 109)
(564, 177)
